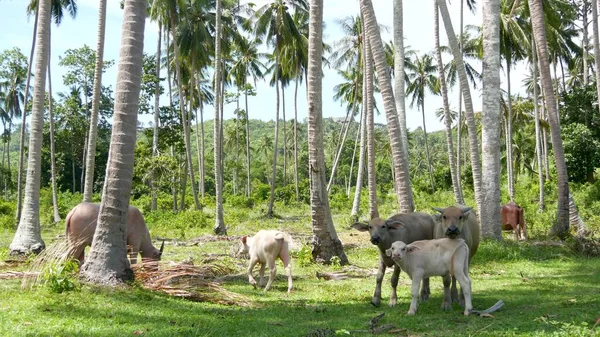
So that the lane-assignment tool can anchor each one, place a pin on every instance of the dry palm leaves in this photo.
(195, 283)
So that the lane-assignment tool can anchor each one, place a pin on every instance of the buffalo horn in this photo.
(162, 247)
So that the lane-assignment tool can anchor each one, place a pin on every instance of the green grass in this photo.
(547, 290)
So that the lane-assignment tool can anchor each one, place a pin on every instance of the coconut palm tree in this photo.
(93, 131)
(28, 238)
(402, 179)
(219, 227)
(446, 107)
(399, 80)
(490, 135)
(469, 113)
(596, 40)
(422, 79)
(156, 116)
(276, 25)
(561, 227)
(107, 262)
(326, 243)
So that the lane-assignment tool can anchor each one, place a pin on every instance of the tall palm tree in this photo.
(58, 7)
(402, 179)
(107, 262)
(561, 227)
(447, 117)
(28, 238)
(275, 23)
(490, 211)
(248, 63)
(93, 131)
(52, 150)
(219, 227)
(538, 133)
(399, 80)
(469, 113)
(422, 79)
(156, 115)
(596, 46)
(326, 243)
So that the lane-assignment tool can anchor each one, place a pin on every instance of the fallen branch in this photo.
(16, 274)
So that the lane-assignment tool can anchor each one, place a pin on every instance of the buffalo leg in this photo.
(447, 302)
(285, 258)
(272, 273)
(425, 292)
(262, 274)
(465, 292)
(376, 301)
(453, 290)
(251, 279)
(416, 283)
(395, 278)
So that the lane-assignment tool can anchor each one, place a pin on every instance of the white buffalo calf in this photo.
(264, 247)
(441, 257)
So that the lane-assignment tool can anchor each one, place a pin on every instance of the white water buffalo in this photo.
(406, 227)
(264, 247)
(458, 222)
(439, 257)
(81, 225)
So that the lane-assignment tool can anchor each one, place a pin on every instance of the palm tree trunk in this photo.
(403, 185)
(284, 135)
(173, 174)
(369, 101)
(340, 149)
(561, 227)
(509, 150)
(276, 139)
(28, 238)
(200, 144)
(93, 131)
(586, 43)
(490, 118)
(460, 111)
(447, 118)
(237, 142)
(248, 182)
(469, 113)
(184, 119)
(349, 182)
(219, 227)
(108, 263)
(538, 134)
(429, 168)
(24, 119)
(296, 139)
(156, 115)
(596, 45)
(86, 141)
(52, 152)
(361, 159)
(399, 84)
(326, 243)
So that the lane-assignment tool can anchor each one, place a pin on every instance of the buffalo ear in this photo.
(466, 210)
(360, 226)
(438, 209)
(388, 252)
(411, 249)
(394, 223)
(244, 239)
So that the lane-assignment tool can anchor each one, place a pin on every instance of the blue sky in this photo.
(418, 26)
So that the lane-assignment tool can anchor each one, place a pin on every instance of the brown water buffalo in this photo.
(513, 219)
(458, 222)
(407, 227)
(439, 257)
(81, 225)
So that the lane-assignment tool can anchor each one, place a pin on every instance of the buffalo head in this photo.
(452, 219)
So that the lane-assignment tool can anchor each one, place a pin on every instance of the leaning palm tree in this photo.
(326, 243)
(28, 238)
(107, 262)
(446, 107)
(421, 80)
(399, 80)
(402, 179)
(469, 112)
(561, 227)
(490, 135)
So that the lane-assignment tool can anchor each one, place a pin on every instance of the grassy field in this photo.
(548, 291)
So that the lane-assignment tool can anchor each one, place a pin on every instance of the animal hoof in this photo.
(467, 312)
(410, 312)
(376, 303)
(424, 297)
(393, 303)
(446, 306)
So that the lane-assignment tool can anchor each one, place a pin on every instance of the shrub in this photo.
(62, 277)
(239, 201)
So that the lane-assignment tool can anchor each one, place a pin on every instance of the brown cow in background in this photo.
(513, 219)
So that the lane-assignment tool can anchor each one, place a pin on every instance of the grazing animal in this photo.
(439, 257)
(513, 219)
(81, 225)
(406, 227)
(264, 247)
(458, 222)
